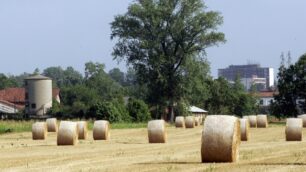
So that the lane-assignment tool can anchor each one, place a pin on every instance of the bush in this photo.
(105, 111)
(138, 110)
(182, 108)
(124, 114)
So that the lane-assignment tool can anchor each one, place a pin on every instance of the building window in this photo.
(261, 102)
(26, 96)
(33, 106)
(26, 83)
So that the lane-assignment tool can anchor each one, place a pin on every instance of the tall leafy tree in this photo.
(300, 83)
(196, 77)
(117, 75)
(63, 77)
(96, 78)
(290, 88)
(157, 37)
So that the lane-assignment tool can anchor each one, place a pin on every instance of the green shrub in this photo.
(138, 110)
(124, 114)
(105, 111)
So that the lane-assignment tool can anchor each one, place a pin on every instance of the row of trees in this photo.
(290, 100)
(164, 44)
(98, 94)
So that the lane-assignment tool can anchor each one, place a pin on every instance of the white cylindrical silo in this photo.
(38, 94)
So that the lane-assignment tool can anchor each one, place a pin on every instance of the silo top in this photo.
(38, 77)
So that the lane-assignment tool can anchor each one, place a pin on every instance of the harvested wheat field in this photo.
(129, 150)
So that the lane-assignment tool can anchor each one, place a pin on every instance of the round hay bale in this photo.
(83, 130)
(39, 131)
(180, 122)
(244, 128)
(157, 131)
(67, 133)
(253, 121)
(245, 117)
(101, 130)
(262, 121)
(190, 122)
(200, 120)
(294, 129)
(196, 121)
(52, 124)
(220, 139)
(303, 117)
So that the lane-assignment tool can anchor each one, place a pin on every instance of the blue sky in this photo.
(35, 33)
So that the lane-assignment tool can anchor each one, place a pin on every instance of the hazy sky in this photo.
(36, 33)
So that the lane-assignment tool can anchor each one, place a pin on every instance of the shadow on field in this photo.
(254, 164)
(131, 143)
(168, 163)
(277, 164)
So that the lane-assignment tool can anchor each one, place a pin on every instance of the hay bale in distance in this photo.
(180, 122)
(303, 117)
(101, 130)
(220, 139)
(262, 121)
(196, 121)
(190, 122)
(245, 117)
(52, 124)
(253, 121)
(83, 130)
(157, 131)
(244, 128)
(294, 129)
(67, 133)
(39, 131)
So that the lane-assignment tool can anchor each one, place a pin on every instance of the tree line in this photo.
(291, 84)
(118, 96)
(164, 44)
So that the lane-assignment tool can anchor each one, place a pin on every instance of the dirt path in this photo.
(128, 150)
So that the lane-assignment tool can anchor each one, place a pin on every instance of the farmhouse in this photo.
(13, 100)
(198, 112)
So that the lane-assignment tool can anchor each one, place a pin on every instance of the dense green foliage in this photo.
(290, 100)
(158, 38)
(164, 44)
(138, 110)
(229, 98)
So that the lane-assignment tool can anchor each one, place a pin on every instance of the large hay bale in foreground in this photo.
(39, 131)
(294, 129)
(157, 131)
(83, 130)
(101, 130)
(303, 117)
(262, 121)
(190, 122)
(253, 121)
(180, 122)
(244, 128)
(220, 139)
(67, 133)
(52, 124)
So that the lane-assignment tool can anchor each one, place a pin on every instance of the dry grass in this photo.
(128, 150)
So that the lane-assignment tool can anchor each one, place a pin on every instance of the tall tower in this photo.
(38, 95)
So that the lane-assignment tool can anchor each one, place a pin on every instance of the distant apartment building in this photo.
(251, 74)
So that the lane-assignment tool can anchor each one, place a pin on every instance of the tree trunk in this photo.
(171, 112)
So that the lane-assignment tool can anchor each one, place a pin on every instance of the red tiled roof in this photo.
(17, 95)
(13, 95)
(266, 94)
